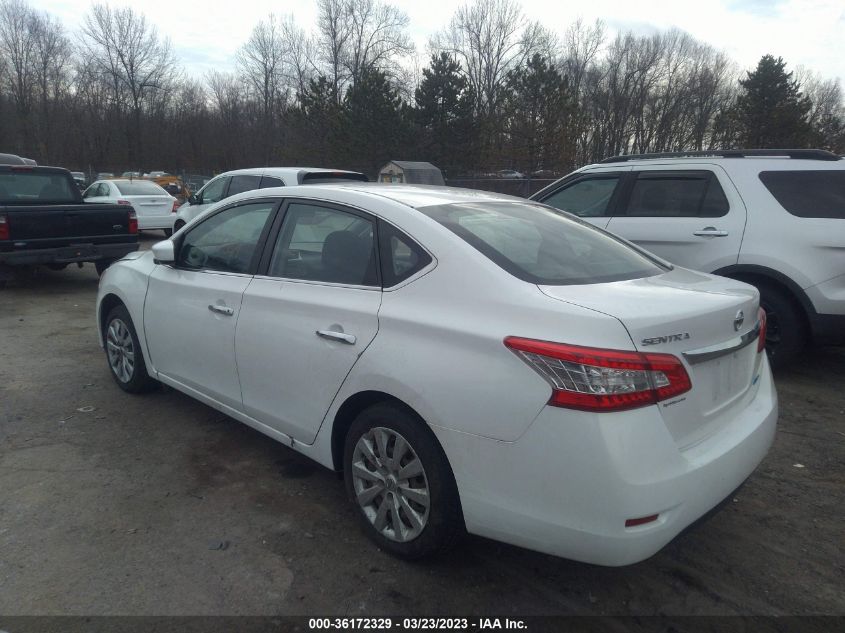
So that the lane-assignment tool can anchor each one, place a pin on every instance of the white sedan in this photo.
(470, 362)
(154, 207)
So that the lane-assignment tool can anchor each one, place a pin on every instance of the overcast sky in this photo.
(206, 33)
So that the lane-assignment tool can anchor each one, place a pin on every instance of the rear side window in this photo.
(808, 194)
(587, 198)
(139, 188)
(32, 187)
(240, 184)
(541, 246)
(401, 257)
(270, 181)
(693, 194)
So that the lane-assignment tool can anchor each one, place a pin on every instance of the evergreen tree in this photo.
(375, 122)
(318, 121)
(770, 111)
(538, 109)
(445, 114)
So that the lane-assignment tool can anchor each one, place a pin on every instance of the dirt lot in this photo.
(161, 505)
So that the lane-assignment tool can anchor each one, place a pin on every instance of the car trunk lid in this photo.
(708, 322)
(150, 206)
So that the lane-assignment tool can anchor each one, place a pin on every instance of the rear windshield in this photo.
(808, 194)
(32, 187)
(139, 188)
(542, 246)
(323, 177)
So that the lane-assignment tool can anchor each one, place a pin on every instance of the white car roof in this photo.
(290, 175)
(414, 196)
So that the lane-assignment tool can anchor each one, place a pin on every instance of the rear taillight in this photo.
(593, 379)
(175, 206)
(761, 339)
(4, 227)
(133, 222)
(123, 202)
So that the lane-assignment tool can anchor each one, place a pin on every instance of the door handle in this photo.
(710, 231)
(337, 336)
(222, 310)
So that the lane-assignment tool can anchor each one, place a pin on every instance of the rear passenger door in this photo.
(691, 217)
(308, 315)
(592, 195)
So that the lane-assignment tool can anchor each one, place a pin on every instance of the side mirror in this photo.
(164, 252)
(192, 199)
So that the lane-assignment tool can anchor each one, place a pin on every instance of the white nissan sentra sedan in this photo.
(470, 361)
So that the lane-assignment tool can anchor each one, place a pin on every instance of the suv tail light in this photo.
(761, 340)
(591, 379)
(133, 222)
(4, 227)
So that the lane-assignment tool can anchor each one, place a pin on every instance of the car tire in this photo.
(102, 264)
(123, 353)
(178, 225)
(167, 232)
(786, 329)
(390, 497)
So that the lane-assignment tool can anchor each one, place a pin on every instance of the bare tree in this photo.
(359, 36)
(52, 57)
(334, 33)
(18, 46)
(378, 39)
(127, 49)
(489, 38)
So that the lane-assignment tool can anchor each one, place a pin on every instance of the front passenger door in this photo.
(192, 307)
(308, 317)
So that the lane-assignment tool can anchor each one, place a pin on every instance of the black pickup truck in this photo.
(43, 220)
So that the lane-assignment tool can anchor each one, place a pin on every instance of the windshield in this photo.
(542, 246)
(25, 187)
(139, 188)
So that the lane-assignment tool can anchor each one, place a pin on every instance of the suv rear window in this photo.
(808, 194)
(539, 245)
(31, 187)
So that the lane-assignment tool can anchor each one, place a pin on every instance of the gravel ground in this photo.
(158, 505)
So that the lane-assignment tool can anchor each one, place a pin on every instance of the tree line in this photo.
(498, 91)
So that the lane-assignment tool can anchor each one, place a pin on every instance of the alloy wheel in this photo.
(121, 351)
(390, 484)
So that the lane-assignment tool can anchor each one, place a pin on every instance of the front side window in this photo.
(240, 184)
(227, 241)
(215, 190)
(808, 194)
(588, 198)
(541, 246)
(324, 244)
(677, 195)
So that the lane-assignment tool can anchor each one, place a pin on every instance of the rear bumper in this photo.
(156, 222)
(568, 485)
(68, 254)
